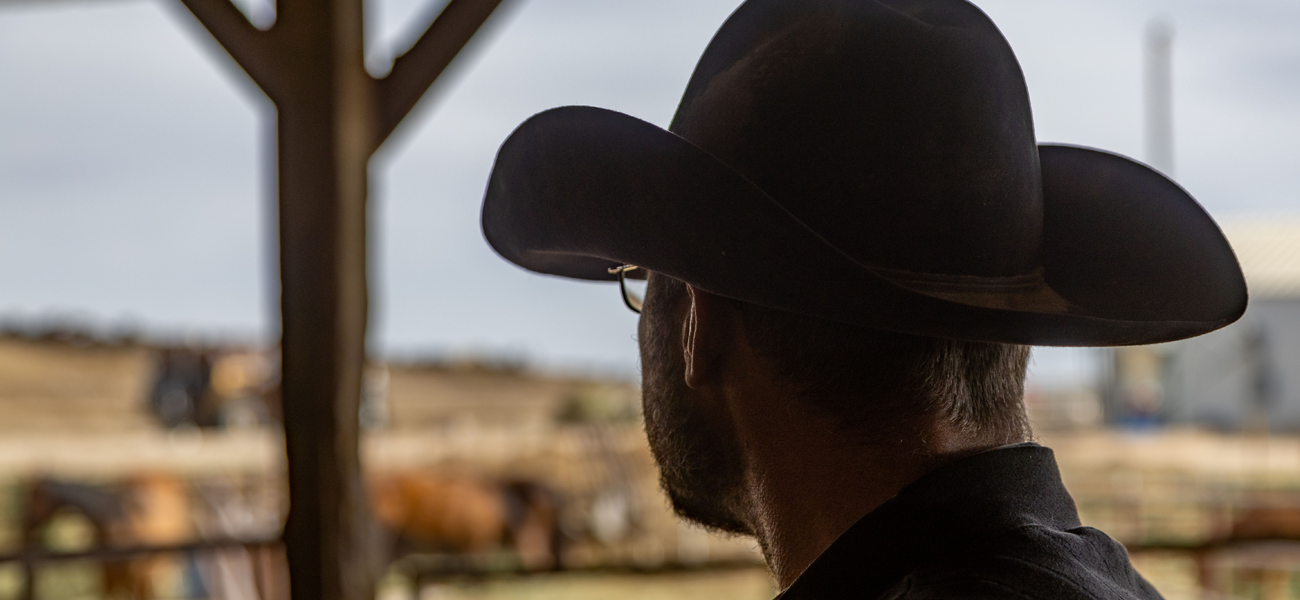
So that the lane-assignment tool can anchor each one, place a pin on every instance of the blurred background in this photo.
(138, 298)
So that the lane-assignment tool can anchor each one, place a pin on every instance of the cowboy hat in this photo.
(871, 162)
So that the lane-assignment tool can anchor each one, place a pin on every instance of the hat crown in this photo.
(900, 130)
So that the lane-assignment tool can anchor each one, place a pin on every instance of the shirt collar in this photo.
(1006, 487)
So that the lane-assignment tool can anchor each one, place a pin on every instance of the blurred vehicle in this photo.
(232, 388)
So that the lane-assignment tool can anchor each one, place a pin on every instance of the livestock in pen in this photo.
(465, 515)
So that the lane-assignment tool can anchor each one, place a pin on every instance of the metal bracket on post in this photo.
(332, 116)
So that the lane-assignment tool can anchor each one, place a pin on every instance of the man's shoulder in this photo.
(999, 524)
(1030, 562)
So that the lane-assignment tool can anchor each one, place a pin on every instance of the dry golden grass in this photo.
(58, 387)
(81, 412)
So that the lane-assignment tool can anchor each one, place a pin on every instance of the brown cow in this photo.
(468, 515)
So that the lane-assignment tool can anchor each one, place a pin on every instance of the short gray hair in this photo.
(975, 386)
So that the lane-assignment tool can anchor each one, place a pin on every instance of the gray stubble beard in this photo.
(701, 465)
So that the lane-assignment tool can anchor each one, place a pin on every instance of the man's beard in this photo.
(700, 464)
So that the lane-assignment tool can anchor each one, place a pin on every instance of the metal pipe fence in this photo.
(260, 550)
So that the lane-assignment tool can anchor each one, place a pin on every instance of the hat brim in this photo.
(576, 190)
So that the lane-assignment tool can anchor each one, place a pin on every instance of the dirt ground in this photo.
(746, 584)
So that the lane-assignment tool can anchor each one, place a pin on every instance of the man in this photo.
(852, 237)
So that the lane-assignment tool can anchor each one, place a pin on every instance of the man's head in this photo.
(871, 387)
(872, 166)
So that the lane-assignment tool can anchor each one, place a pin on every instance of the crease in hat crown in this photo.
(933, 119)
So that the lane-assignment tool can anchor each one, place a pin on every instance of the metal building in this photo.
(1243, 377)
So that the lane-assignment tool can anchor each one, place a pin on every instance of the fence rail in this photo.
(30, 559)
(36, 557)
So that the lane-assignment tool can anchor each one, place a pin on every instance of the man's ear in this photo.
(706, 336)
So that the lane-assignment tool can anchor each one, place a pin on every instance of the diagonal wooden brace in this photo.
(255, 50)
(414, 71)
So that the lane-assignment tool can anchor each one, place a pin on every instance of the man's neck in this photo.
(808, 481)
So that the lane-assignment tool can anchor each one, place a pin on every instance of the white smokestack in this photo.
(1160, 96)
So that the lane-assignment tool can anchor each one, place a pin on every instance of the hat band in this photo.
(1028, 292)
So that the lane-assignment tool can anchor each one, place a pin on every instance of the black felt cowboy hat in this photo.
(871, 162)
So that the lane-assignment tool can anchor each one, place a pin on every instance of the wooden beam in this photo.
(415, 70)
(253, 49)
(331, 116)
(325, 123)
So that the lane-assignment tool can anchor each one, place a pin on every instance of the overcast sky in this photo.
(133, 156)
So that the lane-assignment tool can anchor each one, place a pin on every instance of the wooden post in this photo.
(324, 128)
(331, 117)
(28, 591)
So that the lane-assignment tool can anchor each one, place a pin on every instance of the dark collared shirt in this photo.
(998, 524)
